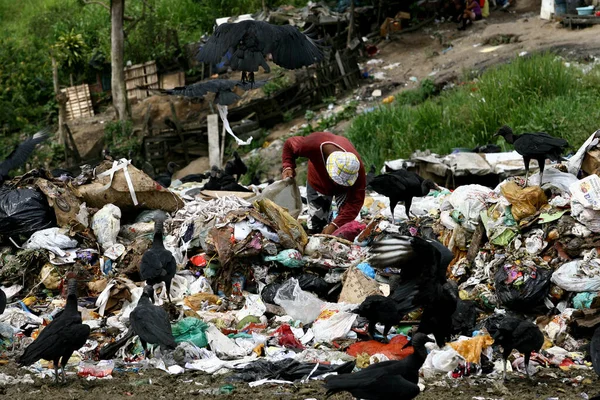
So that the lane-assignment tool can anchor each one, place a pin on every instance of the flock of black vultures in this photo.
(423, 262)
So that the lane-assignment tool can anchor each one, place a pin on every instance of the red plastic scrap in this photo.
(254, 327)
(394, 350)
(199, 260)
(287, 338)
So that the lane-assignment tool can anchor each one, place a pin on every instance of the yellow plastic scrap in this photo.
(463, 294)
(471, 348)
(29, 301)
(388, 100)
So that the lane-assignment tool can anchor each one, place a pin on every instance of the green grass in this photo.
(537, 93)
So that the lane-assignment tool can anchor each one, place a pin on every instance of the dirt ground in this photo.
(154, 384)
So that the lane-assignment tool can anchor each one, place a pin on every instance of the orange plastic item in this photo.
(394, 350)
(471, 348)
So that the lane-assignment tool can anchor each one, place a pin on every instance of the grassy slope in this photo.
(539, 93)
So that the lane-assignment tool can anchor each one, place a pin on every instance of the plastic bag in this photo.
(285, 193)
(151, 216)
(525, 201)
(223, 347)
(332, 324)
(290, 258)
(106, 225)
(572, 278)
(350, 230)
(50, 239)
(291, 233)
(394, 350)
(313, 283)
(190, 330)
(441, 361)
(469, 200)
(24, 211)
(587, 216)
(300, 305)
(268, 293)
(470, 349)
(530, 293)
(554, 178)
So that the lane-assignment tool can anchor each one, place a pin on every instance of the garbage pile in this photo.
(254, 294)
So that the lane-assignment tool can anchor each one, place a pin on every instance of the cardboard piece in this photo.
(591, 162)
(357, 287)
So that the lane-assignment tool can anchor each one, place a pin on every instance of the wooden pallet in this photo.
(572, 20)
(141, 75)
(79, 103)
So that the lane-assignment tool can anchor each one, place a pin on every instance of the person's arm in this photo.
(291, 150)
(355, 198)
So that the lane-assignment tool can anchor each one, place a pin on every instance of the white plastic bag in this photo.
(336, 325)
(106, 225)
(469, 200)
(223, 347)
(578, 276)
(298, 304)
(253, 306)
(587, 216)
(50, 239)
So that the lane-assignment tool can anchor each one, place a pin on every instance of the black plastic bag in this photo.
(24, 211)
(313, 283)
(288, 370)
(524, 297)
(268, 293)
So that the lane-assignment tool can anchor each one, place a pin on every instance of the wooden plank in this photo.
(214, 157)
(215, 194)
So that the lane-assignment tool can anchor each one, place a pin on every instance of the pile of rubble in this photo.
(255, 294)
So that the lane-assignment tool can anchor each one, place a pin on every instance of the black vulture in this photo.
(57, 342)
(401, 185)
(515, 333)
(2, 301)
(538, 146)
(222, 88)
(464, 318)
(384, 380)
(422, 280)
(151, 323)
(437, 314)
(249, 42)
(595, 350)
(487, 148)
(386, 310)
(21, 153)
(371, 174)
(165, 178)
(236, 167)
(194, 178)
(158, 264)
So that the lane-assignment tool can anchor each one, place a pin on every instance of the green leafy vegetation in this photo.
(538, 93)
(121, 141)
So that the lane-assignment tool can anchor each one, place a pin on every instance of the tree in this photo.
(117, 50)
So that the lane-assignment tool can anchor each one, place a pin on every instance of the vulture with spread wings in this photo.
(21, 153)
(249, 42)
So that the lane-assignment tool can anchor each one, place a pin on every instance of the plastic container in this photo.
(589, 10)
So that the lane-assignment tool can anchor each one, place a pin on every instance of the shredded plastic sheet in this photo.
(223, 114)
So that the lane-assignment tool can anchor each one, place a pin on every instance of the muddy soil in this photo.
(155, 384)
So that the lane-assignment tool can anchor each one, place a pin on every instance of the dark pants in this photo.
(319, 209)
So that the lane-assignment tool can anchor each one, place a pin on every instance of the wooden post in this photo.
(340, 64)
(214, 158)
(61, 99)
(223, 137)
(350, 24)
(179, 132)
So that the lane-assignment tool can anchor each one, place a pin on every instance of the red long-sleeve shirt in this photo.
(311, 147)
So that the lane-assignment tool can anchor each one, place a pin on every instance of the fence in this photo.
(79, 103)
(140, 75)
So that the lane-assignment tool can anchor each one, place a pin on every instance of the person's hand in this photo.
(329, 229)
(287, 173)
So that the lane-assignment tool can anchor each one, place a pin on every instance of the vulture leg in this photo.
(527, 356)
(386, 330)
(542, 164)
(55, 362)
(526, 160)
(371, 331)
(244, 77)
(407, 205)
(504, 372)
(251, 76)
(393, 204)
